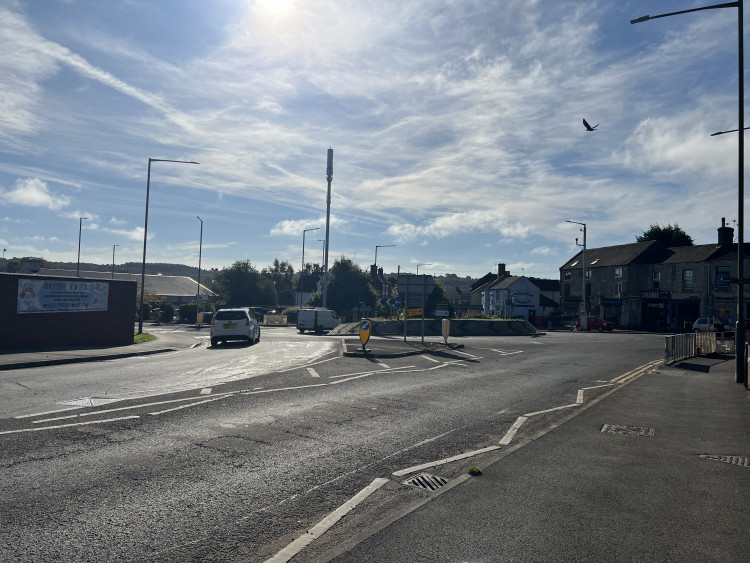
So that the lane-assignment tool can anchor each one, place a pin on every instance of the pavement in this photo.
(29, 357)
(655, 468)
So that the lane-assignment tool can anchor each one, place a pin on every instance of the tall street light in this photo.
(329, 178)
(376, 253)
(418, 265)
(113, 259)
(302, 271)
(145, 234)
(200, 251)
(583, 316)
(741, 360)
(80, 225)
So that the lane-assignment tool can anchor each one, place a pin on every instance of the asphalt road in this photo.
(231, 453)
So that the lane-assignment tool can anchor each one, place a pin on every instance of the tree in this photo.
(281, 275)
(348, 287)
(242, 286)
(668, 236)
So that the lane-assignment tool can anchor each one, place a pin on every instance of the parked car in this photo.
(707, 325)
(317, 320)
(595, 323)
(234, 324)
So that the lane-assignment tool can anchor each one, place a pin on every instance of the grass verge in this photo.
(143, 337)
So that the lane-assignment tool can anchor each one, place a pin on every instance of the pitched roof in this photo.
(696, 253)
(619, 255)
(175, 286)
(483, 281)
(505, 283)
(545, 284)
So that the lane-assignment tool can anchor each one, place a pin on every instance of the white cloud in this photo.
(288, 228)
(470, 222)
(542, 250)
(33, 192)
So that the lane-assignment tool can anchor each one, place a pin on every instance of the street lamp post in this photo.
(80, 225)
(198, 298)
(145, 234)
(376, 252)
(583, 276)
(113, 259)
(740, 336)
(418, 265)
(302, 271)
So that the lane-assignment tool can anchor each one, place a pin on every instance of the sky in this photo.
(456, 127)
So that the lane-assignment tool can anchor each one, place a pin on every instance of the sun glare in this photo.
(275, 7)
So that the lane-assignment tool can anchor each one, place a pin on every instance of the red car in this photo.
(595, 323)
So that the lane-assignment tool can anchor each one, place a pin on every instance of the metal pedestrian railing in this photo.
(681, 346)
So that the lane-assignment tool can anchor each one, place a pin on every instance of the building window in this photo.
(588, 274)
(567, 291)
(618, 289)
(722, 273)
(618, 271)
(687, 280)
(567, 274)
(657, 280)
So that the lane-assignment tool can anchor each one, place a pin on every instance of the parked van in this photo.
(317, 320)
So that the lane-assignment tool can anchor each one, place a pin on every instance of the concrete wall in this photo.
(113, 327)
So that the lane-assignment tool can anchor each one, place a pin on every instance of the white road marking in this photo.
(467, 354)
(381, 363)
(312, 372)
(512, 430)
(131, 407)
(47, 412)
(507, 353)
(429, 358)
(212, 399)
(371, 372)
(68, 425)
(552, 409)
(324, 525)
(458, 457)
(206, 391)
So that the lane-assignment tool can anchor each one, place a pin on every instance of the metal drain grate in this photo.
(426, 481)
(744, 461)
(627, 430)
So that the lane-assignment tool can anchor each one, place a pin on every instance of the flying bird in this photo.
(588, 127)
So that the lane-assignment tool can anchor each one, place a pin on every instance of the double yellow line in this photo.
(633, 373)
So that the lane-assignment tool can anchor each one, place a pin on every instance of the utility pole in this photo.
(329, 177)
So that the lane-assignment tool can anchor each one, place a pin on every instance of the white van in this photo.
(317, 319)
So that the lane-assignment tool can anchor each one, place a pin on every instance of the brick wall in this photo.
(113, 327)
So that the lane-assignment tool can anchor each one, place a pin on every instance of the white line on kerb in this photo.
(552, 410)
(512, 431)
(324, 525)
(458, 457)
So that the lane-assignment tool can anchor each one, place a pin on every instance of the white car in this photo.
(703, 325)
(234, 324)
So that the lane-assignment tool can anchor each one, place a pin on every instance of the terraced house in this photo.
(647, 285)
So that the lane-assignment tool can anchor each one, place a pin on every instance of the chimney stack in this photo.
(501, 273)
(726, 234)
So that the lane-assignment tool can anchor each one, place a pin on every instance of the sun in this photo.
(275, 7)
